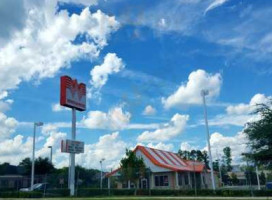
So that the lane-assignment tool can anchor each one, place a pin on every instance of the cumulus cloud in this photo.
(15, 149)
(186, 146)
(99, 74)
(239, 115)
(8, 125)
(114, 119)
(5, 105)
(11, 21)
(45, 44)
(161, 146)
(237, 143)
(247, 108)
(109, 146)
(169, 130)
(189, 92)
(149, 110)
(56, 107)
(53, 138)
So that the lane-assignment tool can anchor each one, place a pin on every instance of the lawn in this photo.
(155, 198)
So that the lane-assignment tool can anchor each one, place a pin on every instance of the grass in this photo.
(154, 198)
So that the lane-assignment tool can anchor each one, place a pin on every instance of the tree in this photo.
(262, 178)
(26, 165)
(233, 178)
(259, 134)
(206, 159)
(216, 165)
(227, 158)
(132, 168)
(184, 154)
(42, 166)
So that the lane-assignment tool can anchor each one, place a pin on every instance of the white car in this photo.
(36, 187)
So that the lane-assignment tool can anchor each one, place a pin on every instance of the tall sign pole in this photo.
(72, 155)
(203, 94)
(72, 95)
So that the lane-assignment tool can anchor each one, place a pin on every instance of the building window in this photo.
(186, 179)
(179, 179)
(161, 180)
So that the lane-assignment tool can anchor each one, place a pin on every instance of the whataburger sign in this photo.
(70, 146)
(72, 95)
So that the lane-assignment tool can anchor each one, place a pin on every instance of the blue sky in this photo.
(153, 55)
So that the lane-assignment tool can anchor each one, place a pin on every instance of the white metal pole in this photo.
(258, 179)
(51, 155)
(72, 155)
(50, 147)
(204, 93)
(101, 175)
(33, 158)
(219, 168)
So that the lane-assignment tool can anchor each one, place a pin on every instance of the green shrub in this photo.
(91, 192)
(15, 194)
(57, 193)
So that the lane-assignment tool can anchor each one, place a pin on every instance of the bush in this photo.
(15, 194)
(57, 193)
(35, 194)
(91, 192)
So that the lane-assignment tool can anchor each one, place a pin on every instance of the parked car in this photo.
(36, 187)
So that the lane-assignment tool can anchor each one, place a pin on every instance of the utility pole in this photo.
(72, 156)
(203, 94)
(219, 168)
(33, 153)
(51, 158)
(101, 175)
(258, 179)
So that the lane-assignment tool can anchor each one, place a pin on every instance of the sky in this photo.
(144, 64)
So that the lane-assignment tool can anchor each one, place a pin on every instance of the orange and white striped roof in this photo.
(169, 160)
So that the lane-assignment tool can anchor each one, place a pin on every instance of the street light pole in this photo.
(203, 94)
(51, 158)
(101, 178)
(33, 153)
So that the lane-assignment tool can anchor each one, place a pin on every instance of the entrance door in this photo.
(144, 183)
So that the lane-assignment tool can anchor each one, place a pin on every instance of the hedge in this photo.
(35, 194)
(91, 192)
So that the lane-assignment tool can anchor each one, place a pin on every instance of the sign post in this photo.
(72, 95)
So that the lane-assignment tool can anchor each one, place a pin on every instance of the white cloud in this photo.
(5, 105)
(169, 130)
(15, 149)
(53, 138)
(58, 108)
(115, 119)
(215, 4)
(8, 125)
(189, 92)
(247, 108)
(237, 143)
(161, 146)
(186, 146)
(149, 110)
(45, 44)
(239, 115)
(99, 74)
(3, 94)
(110, 147)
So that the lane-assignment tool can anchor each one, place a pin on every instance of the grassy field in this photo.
(155, 198)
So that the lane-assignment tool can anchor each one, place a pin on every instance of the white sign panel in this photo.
(71, 146)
